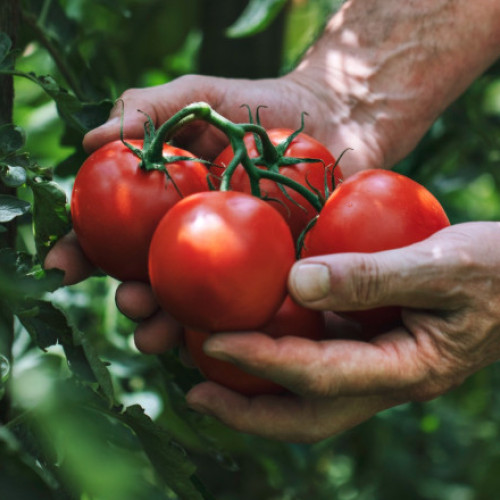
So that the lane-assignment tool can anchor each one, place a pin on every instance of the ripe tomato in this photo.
(298, 212)
(116, 205)
(371, 211)
(291, 319)
(219, 261)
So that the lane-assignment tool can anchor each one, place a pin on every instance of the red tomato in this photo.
(298, 212)
(375, 210)
(219, 261)
(290, 320)
(116, 205)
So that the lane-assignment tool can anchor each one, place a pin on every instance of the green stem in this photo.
(270, 154)
(282, 179)
(65, 70)
(44, 12)
(192, 112)
(236, 133)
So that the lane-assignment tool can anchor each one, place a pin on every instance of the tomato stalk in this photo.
(271, 157)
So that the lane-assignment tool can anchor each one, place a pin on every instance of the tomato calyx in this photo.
(151, 153)
(271, 157)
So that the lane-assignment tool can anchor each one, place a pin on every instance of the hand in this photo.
(286, 98)
(156, 332)
(449, 286)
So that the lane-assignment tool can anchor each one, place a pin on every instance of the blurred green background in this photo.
(70, 424)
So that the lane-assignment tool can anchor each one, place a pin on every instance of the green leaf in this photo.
(91, 115)
(78, 115)
(11, 139)
(12, 207)
(7, 55)
(256, 17)
(50, 217)
(168, 458)
(98, 367)
(20, 474)
(20, 279)
(5, 46)
(48, 325)
(12, 176)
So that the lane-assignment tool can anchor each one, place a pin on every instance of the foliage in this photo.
(83, 414)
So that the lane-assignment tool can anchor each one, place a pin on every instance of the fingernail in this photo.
(310, 282)
(214, 348)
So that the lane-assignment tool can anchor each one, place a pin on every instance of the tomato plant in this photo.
(219, 261)
(371, 211)
(296, 210)
(290, 320)
(116, 205)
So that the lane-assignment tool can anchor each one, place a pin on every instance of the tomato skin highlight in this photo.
(296, 214)
(116, 205)
(375, 210)
(290, 320)
(220, 260)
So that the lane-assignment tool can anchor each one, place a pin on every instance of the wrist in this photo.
(391, 68)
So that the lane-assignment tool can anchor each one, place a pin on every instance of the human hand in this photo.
(449, 287)
(285, 98)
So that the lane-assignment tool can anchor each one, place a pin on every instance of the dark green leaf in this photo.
(4, 368)
(168, 458)
(48, 325)
(11, 139)
(91, 115)
(50, 217)
(256, 17)
(52, 19)
(5, 46)
(12, 176)
(7, 55)
(20, 279)
(12, 207)
(98, 367)
(20, 476)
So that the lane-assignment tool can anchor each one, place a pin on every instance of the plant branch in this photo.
(61, 64)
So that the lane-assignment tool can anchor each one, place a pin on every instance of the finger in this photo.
(133, 120)
(285, 418)
(422, 275)
(390, 363)
(157, 334)
(136, 300)
(68, 256)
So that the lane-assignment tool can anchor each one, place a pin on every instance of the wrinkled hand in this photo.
(449, 286)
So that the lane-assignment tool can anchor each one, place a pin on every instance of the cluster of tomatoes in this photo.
(219, 260)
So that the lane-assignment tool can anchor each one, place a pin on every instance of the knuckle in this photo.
(369, 283)
(130, 94)
(189, 79)
(441, 376)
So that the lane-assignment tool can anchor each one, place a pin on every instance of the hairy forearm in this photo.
(394, 66)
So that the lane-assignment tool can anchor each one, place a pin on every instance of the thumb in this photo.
(405, 277)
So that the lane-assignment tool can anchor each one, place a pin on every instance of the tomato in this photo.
(219, 261)
(291, 319)
(116, 205)
(298, 212)
(371, 211)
